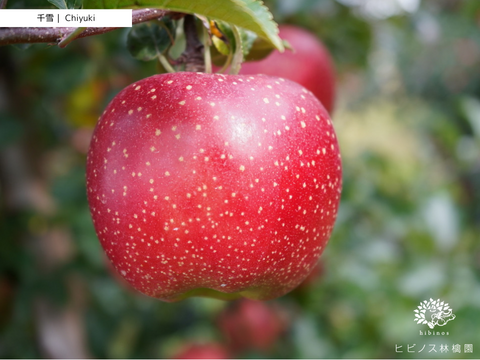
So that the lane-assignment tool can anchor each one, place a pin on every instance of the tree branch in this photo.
(30, 35)
(192, 57)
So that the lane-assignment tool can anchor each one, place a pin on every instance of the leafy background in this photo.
(408, 122)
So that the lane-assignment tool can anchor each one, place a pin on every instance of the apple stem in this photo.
(192, 57)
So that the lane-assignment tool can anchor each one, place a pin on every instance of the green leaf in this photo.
(254, 48)
(248, 14)
(227, 45)
(221, 46)
(61, 4)
(247, 39)
(64, 4)
(149, 40)
(259, 50)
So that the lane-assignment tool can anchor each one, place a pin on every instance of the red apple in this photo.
(310, 64)
(203, 351)
(251, 325)
(214, 185)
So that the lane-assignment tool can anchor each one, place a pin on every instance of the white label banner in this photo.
(65, 18)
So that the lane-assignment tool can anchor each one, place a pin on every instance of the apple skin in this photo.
(252, 325)
(310, 64)
(203, 351)
(214, 185)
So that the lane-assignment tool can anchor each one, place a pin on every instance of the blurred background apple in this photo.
(309, 64)
(209, 350)
(252, 325)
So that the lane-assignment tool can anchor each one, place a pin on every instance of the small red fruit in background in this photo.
(203, 351)
(309, 64)
(214, 185)
(252, 325)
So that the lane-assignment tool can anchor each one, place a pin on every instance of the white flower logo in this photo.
(433, 312)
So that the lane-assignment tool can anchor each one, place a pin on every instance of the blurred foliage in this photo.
(408, 122)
